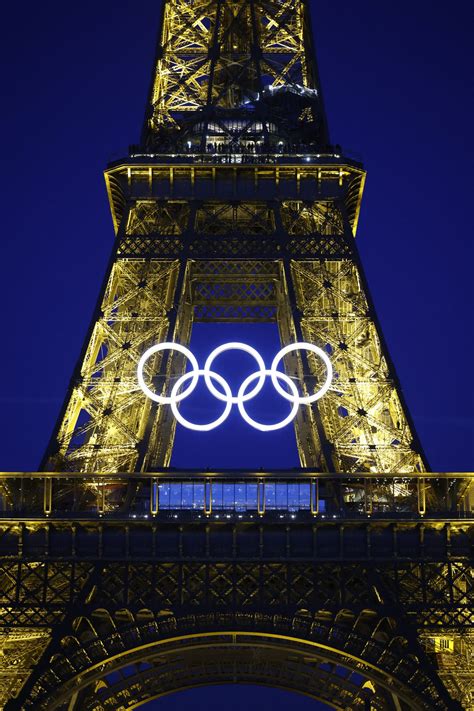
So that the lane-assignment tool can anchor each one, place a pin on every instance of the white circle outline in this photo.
(235, 345)
(302, 399)
(210, 425)
(258, 425)
(163, 399)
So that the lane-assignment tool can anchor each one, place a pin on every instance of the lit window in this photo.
(443, 645)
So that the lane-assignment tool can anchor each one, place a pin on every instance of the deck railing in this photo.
(231, 493)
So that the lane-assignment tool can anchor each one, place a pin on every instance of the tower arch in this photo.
(341, 658)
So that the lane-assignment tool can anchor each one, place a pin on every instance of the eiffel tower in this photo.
(124, 579)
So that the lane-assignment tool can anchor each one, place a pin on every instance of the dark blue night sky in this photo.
(397, 80)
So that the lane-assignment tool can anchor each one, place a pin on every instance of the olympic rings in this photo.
(225, 395)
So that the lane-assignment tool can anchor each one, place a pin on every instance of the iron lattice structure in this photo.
(349, 579)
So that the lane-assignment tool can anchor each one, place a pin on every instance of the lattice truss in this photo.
(306, 218)
(225, 290)
(107, 413)
(170, 668)
(21, 650)
(314, 228)
(171, 217)
(337, 607)
(252, 218)
(206, 54)
(164, 217)
(35, 593)
(235, 229)
(454, 654)
(33, 597)
(362, 415)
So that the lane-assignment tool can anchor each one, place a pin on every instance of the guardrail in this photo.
(78, 495)
(236, 157)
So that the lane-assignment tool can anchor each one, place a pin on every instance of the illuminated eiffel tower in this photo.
(348, 579)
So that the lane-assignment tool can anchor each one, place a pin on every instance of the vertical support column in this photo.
(157, 446)
(48, 495)
(368, 501)
(154, 497)
(208, 497)
(421, 491)
(261, 497)
(313, 446)
(100, 498)
(314, 496)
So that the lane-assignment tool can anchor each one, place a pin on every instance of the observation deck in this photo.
(235, 493)
(235, 175)
(176, 513)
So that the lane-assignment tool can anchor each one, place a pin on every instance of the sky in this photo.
(397, 82)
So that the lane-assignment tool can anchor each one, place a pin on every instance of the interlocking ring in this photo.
(162, 399)
(239, 347)
(208, 374)
(225, 395)
(308, 399)
(258, 425)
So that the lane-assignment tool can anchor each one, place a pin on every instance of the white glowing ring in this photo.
(163, 399)
(240, 347)
(210, 425)
(258, 425)
(301, 399)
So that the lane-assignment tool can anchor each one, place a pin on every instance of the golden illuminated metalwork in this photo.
(122, 579)
(362, 421)
(222, 54)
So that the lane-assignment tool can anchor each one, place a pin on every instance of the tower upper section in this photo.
(235, 73)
